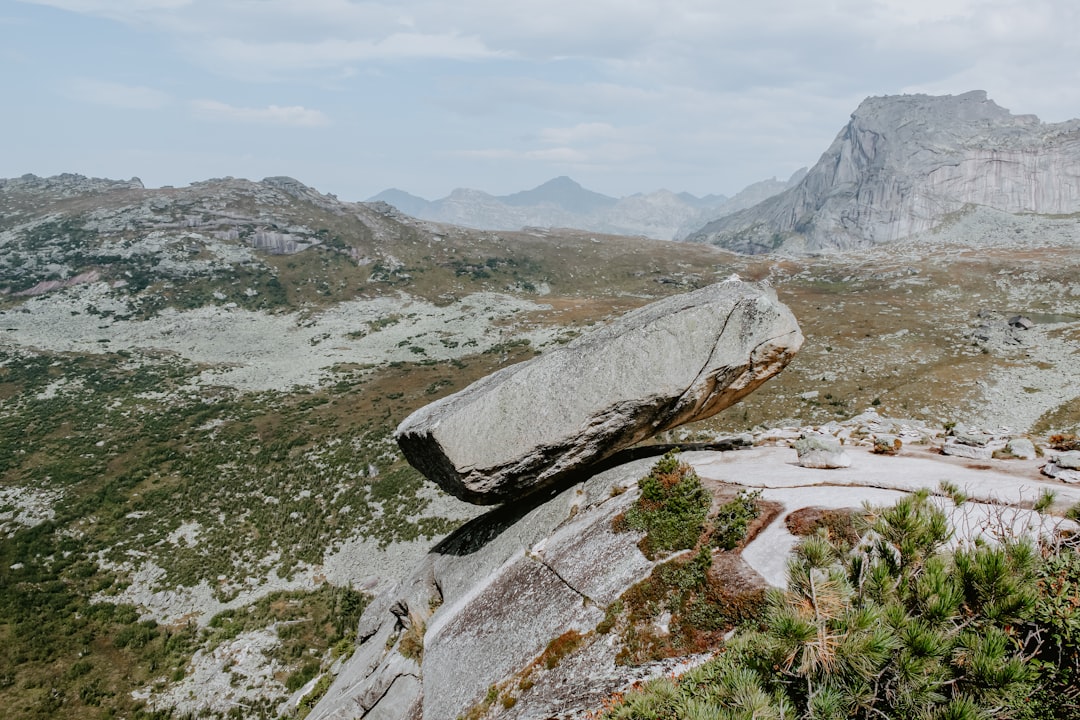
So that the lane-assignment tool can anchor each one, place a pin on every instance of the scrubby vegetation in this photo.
(1064, 442)
(211, 487)
(673, 510)
(898, 628)
(694, 596)
(672, 507)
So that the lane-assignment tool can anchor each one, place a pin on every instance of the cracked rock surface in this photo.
(492, 596)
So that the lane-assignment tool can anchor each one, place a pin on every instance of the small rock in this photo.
(821, 453)
(1020, 322)
(972, 438)
(1021, 448)
(972, 452)
(887, 445)
(1068, 460)
(1064, 467)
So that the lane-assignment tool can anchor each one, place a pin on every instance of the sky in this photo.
(352, 97)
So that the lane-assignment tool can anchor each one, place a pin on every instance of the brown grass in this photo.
(839, 524)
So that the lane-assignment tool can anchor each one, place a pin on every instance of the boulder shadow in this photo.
(478, 532)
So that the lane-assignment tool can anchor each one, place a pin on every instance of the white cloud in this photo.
(582, 132)
(123, 10)
(720, 91)
(881, 45)
(330, 53)
(118, 95)
(293, 115)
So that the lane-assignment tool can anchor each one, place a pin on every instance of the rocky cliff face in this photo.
(902, 165)
(486, 602)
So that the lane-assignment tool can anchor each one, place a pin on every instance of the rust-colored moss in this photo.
(560, 647)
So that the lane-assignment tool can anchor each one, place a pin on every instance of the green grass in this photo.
(259, 474)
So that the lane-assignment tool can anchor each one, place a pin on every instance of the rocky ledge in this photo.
(488, 605)
(541, 608)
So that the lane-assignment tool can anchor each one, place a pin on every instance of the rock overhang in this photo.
(541, 423)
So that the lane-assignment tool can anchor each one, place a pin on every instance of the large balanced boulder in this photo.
(539, 423)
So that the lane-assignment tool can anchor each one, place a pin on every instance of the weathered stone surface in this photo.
(1021, 322)
(972, 452)
(508, 582)
(902, 164)
(532, 425)
(1021, 448)
(1064, 466)
(820, 452)
(971, 437)
(1068, 460)
(519, 576)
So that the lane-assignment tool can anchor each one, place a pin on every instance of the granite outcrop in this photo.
(537, 424)
(903, 165)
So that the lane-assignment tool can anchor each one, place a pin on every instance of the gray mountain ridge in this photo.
(903, 165)
(562, 202)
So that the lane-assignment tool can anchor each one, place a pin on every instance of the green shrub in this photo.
(302, 676)
(672, 507)
(896, 628)
(734, 518)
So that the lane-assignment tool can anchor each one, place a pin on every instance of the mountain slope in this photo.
(198, 384)
(902, 165)
(405, 202)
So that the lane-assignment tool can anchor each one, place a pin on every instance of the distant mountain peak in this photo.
(563, 192)
(902, 164)
(561, 181)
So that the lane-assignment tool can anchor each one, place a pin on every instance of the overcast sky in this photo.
(625, 96)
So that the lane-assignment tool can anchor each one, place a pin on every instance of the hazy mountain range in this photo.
(562, 202)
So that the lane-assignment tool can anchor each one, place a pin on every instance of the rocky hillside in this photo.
(905, 164)
(662, 215)
(558, 600)
(199, 487)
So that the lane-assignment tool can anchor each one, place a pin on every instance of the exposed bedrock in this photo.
(902, 165)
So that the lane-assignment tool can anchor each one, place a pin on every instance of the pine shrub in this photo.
(897, 627)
